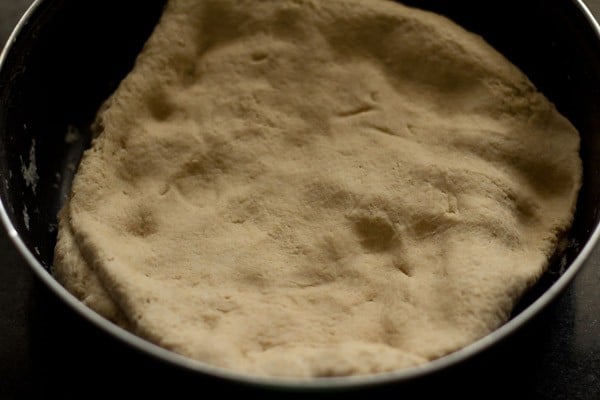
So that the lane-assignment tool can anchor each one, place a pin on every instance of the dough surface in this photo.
(313, 188)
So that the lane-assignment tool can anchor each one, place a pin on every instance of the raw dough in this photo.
(316, 188)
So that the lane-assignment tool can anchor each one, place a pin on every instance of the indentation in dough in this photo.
(375, 231)
(160, 105)
(204, 166)
(259, 56)
(403, 266)
(362, 109)
(141, 222)
(383, 129)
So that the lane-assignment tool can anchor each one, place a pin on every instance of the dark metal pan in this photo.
(66, 56)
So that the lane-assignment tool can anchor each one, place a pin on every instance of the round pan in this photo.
(66, 56)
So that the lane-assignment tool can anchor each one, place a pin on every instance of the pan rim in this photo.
(306, 384)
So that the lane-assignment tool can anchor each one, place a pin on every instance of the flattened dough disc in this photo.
(316, 188)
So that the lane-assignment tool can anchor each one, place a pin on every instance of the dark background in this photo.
(46, 351)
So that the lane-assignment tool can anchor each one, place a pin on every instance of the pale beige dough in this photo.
(316, 188)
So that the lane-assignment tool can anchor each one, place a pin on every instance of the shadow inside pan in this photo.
(68, 59)
(73, 54)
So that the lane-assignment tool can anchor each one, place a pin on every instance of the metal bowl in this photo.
(66, 56)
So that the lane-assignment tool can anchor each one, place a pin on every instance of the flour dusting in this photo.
(29, 171)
